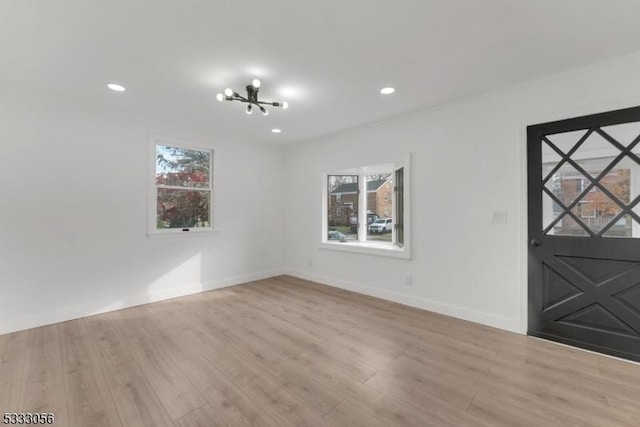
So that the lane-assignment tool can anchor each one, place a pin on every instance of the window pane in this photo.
(619, 182)
(567, 140)
(594, 147)
(568, 226)
(624, 227)
(550, 158)
(342, 207)
(379, 207)
(596, 210)
(567, 184)
(182, 167)
(624, 133)
(183, 208)
(550, 211)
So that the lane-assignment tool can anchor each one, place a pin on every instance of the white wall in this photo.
(73, 209)
(467, 161)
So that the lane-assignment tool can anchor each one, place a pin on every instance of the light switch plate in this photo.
(499, 217)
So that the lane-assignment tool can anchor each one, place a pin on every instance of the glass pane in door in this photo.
(598, 182)
(550, 159)
(568, 226)
(565, 141)
(624, 133)
(567, 184)
(623, 227)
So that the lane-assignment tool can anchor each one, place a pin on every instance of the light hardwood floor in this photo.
(287, 352)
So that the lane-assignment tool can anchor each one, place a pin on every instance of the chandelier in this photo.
(251, 98)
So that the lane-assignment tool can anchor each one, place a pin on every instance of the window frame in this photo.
(387, 249)
(152, 229)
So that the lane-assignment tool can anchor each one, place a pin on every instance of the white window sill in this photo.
(173, 234)
(369, 248)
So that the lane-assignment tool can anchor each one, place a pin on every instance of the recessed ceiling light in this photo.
(387, 90)
(116, 87)
(276, 130)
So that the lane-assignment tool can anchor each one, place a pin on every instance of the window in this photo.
(182, 187)
(587, 209)
(376, 221)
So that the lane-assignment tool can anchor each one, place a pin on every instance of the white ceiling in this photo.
(328, 58)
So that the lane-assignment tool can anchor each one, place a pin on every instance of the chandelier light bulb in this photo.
(220, 97)
(285, 104)
(264, 110)
(249, 111)
(387, 90)
(228, 92)
(255, 83)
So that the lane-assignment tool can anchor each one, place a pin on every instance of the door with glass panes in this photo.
(584, 232)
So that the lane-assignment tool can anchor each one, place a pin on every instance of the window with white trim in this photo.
(373, 202)
(182, 187)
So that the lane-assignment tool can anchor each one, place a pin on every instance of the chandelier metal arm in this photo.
(251, 98)
(236, 97)
(273, 104)
(243, 99)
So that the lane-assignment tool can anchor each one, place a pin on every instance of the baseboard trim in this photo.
(71, 313)
(511, 325)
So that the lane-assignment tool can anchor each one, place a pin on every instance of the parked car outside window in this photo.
(336, 235)
(382, 225)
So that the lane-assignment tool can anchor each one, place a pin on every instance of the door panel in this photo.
(584, 231)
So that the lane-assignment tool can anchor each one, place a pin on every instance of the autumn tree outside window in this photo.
(182, 188)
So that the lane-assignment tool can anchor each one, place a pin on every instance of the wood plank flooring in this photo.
(288, 352)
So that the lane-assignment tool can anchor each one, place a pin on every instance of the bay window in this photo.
(367, 207)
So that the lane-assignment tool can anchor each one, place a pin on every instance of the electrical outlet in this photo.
(408, 280)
